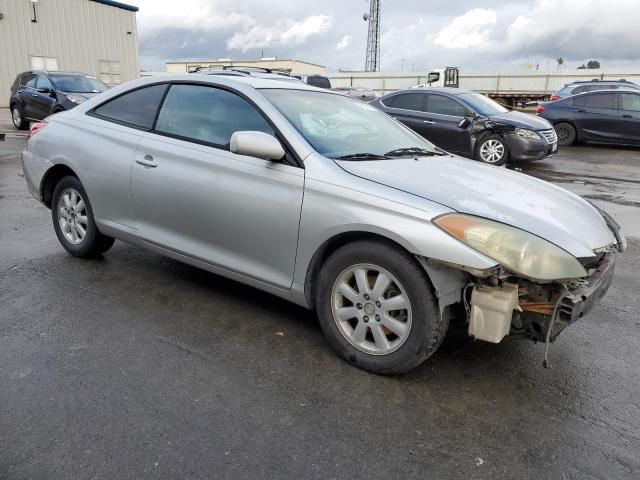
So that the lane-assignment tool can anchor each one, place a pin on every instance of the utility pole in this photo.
(372, 63)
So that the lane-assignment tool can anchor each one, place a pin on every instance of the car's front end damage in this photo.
(499, 303)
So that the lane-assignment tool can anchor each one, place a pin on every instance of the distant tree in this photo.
(593, 64)
(560, 61)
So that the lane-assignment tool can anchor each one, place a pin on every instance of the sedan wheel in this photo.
(492, 151)
(72, 216)
(377, 308)
(371, 309)
(566, 134)
(73, 220)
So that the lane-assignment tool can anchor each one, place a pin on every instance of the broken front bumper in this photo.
(578, 300)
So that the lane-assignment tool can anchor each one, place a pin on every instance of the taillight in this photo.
(35, 128)
(540, 108)
(554, 98)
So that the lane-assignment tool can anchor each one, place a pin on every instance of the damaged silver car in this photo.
(327, 202)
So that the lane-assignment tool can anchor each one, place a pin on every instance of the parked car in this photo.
(364, 94)
(608, 116)
(36, 94)
(472, 125)
(315, 80)
(594, 85)
(390, 241)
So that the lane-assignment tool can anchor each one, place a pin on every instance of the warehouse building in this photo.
(98, 37)
(296, 67)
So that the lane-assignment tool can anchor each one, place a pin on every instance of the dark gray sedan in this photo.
(472, 125)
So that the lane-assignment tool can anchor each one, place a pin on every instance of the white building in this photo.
(98, 37)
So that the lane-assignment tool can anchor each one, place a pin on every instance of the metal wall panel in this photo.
(78, 33)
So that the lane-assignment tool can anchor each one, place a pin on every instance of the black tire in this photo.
(427, 328)
(93, 243)
(566, 134)
(21, 124)
(489, 141)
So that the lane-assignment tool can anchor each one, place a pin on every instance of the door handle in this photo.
(429, 122)
(626, 115)
(581, 111)
(147, 161)
(34, 94)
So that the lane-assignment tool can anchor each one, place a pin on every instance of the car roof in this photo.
(56, 72)
(597, 80)
(446, 90)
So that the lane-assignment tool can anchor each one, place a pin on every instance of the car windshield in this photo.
(337, 126)
(78, 84)
(481, 104)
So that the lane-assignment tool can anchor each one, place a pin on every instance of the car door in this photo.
(192, 196)
(42, 101)
(630, 117)
(597, 116)
(28, 93)
(443, 116)
(408, 108)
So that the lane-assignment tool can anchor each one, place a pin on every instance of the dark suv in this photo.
(37, 94)
(576, 88)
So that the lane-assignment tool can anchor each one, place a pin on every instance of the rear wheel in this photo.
(73, 220)
(566, 133)
(18, 118)
(377, 309)
(493, 150)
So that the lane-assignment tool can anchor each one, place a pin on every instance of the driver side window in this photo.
(43, 82)
(207, 115)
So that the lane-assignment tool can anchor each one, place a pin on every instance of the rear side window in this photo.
(208, 115)
(630, 102)
(407, 101)
(444, 106)
(318, 81)
(137, 108)
(28, 80)
(599, 100)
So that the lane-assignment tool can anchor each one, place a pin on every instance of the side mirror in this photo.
(44, 90)
(464, 123)
(256, 144)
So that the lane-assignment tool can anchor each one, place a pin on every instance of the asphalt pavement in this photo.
(137, 366)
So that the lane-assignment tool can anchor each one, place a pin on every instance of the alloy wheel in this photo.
(492, 151)
(72, 216)
(371, 309)
(563, 134)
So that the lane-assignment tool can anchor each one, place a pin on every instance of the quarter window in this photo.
(445, 106)
(29, 80)
(407, 101)
(207, 114)
(630, 102)
(137, 108)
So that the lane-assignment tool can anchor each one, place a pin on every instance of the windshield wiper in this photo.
(399, 152)
(362, 156)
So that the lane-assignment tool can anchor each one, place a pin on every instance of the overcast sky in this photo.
(471, 34)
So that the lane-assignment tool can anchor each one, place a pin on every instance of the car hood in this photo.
(84, 95)
(521, 120)
(516, 199)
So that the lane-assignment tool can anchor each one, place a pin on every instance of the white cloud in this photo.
(282, 33)
(344, 43)
(468, 30)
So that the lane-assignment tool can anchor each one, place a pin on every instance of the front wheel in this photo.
(73, 220)
(493, 150)
(377, 308)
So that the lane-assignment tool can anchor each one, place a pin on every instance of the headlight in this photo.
(74, 99)
(526, 133)
(518, 251)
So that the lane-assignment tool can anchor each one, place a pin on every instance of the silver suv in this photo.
(327, 202)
